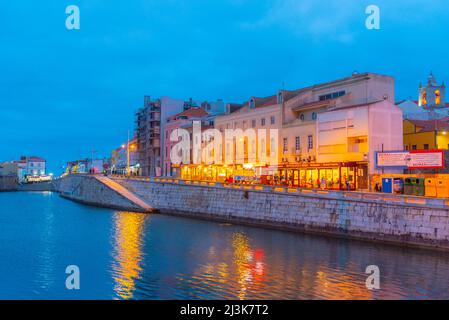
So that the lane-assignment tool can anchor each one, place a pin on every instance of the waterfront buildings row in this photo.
(87, 165)
(326, 133)
(27, 167)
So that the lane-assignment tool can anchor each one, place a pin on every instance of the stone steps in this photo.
(124, 192)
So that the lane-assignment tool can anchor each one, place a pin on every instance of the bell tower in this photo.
(432, 94)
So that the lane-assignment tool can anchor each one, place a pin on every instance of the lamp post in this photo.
(127, 158)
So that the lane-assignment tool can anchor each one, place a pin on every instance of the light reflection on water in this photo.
(235, 262)
(127, 252)
(125, 255)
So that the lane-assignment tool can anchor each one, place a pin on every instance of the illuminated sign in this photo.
(414, 159)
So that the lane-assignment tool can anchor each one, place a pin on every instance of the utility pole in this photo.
(436, 135)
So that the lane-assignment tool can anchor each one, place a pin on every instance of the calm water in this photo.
(135, 256)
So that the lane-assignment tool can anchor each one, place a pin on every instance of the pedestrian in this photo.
(323, 183)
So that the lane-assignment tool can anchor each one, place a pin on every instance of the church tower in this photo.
(432, 95)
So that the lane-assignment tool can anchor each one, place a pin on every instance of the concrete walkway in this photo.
(124, 192)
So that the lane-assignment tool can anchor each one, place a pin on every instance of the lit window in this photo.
(297, 143)
(437, 97)
(285, 145)
(424, 98)
(310, 142)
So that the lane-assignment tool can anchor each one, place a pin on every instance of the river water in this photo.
(122, 255)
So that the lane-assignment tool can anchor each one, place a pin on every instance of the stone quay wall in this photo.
(410, 221)
(8, 183)
(38, 186)
(89, 190)
(402, 220)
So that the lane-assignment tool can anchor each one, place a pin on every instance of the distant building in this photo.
(97, 165)
(431, 103)
(119, 159)
(426, 134)
(35, 166)
(78, 166)
(8, 169)
(21, 169)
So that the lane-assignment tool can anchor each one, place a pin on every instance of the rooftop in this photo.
(430, 125)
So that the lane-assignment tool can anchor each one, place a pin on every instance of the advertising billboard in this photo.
(413, 159)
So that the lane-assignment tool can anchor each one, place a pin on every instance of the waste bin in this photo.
(431, 187)
(408, 186)
(387, 185)
(419, 187)
(398, 186)
(442, 187)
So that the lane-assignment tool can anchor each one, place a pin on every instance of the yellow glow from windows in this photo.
(437, 97)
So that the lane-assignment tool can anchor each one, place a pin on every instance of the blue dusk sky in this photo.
(64, 93)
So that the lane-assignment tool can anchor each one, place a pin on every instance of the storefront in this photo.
(206, 173)
(334, 176)
(218, 172)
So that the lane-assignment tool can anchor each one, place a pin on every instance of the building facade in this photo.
(182, 120)
(8, 169)
(148, 135)
(150, 128)
(431, 103)
(35, 166)
(326, 133)
(426, 134)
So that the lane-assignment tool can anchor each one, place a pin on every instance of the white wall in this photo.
(380, 123)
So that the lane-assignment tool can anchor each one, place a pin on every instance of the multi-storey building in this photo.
(331, 131)
(150, 128)
(179, 121)
(34, 166)
(326, 133)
